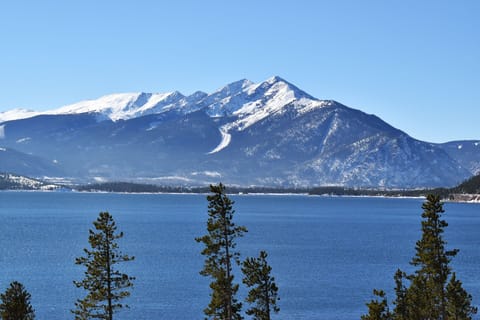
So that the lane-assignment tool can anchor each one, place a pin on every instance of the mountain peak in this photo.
(198, 94)
(275, 79)
(176, 94)
(234, 87)
(281, 83)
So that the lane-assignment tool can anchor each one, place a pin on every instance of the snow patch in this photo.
(460, 147)
(23, 140)
(3, 149)
(165, 178)
(2, 132)
(248, 108)
(226, 138)
(305, 105)
(212, 174)
(153, 126)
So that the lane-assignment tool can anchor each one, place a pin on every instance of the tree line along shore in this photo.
(468, 190)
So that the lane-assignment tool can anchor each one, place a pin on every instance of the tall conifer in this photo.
(220, 255)
(433, 293)
(428, 284)
(105, 285)
(264, 292)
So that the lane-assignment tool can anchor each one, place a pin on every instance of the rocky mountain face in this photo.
(466, 152)
(266, 134)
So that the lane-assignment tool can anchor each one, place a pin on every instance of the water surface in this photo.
(327, 254)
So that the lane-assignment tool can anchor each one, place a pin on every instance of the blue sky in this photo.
(415, 64)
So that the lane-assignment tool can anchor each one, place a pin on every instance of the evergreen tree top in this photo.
(430, 249)
(15, 303)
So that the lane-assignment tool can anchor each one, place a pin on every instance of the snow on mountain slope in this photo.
(116, 107)
(256, 102)
(123, 106)
(243, 98)
(246, 101)
(226, 138)
(16, 114)
(224, 101)
(243, 102)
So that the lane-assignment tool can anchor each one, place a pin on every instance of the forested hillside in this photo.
(470, 186)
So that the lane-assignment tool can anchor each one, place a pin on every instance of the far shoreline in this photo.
(253, 194)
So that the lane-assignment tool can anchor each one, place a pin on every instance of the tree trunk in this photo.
(109, 280)
(267, 299)
(227, 252)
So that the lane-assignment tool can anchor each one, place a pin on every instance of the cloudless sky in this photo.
(415, 64)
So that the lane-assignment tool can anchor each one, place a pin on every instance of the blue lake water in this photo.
(327, 253)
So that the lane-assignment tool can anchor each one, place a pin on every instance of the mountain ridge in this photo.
(269, 134)
(115, 106)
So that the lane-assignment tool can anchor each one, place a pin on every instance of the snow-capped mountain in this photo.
(269, 133)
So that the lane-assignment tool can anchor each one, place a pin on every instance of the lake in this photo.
(327, 253)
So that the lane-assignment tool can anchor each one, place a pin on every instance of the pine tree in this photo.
(264, 292)
(15, 303)
(221, 255)
(106, 286)
(430, 295)
(432, 260)
(378, 308)
(459, 302)
(400, 303)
